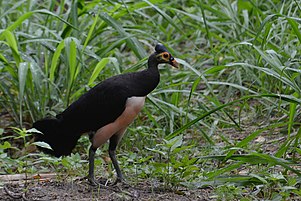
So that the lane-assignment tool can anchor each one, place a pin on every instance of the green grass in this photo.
(240, 70)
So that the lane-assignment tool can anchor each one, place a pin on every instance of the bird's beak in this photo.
(174, 63)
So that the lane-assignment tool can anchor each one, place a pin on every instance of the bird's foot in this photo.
(93, 182)
(114, 187)
(121, 181)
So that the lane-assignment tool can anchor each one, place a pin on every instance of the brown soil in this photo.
(81, 190)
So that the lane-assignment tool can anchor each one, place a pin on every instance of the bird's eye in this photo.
(165, 55)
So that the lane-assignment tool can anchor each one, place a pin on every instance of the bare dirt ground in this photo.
(81, 190)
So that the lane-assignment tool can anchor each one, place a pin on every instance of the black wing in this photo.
(101, 105)
(105, 102)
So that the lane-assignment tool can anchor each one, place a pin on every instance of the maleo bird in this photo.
(105, 112)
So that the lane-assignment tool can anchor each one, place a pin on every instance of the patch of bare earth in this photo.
(81, 190)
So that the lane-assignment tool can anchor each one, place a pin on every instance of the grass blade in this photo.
(99, 67)
(22, 74)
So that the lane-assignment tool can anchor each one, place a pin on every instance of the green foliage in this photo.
(22, 165)
(239, 82)
(173, 166)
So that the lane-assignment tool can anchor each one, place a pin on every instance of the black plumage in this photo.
(101, 106)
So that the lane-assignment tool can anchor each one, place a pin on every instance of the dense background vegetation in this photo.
(229, 118)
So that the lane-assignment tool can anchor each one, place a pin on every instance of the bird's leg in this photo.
(91, 176)
(114, 140)
(92, 151)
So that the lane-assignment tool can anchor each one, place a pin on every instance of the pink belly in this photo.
(132, 109)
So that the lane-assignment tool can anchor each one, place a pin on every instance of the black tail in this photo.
(61, 140)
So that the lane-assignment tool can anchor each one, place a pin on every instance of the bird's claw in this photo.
(120, 181)
(92, 182)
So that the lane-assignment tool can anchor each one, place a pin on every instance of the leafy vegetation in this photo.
(229, 118)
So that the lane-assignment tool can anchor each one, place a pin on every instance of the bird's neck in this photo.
(152, 62)
(143, 82)
(150, 77)
(153, 70)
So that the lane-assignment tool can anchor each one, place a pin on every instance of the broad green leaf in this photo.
(5, 145)
(12, 43)
(71, 54)
(95, 20)
(99, 67)
(262, 179)
(220, 171)
(55, 60)
(43, 145)
(214, 69)
(174, 142)
(33, 130)
(156, 151)
(22, 74)
(292, 113)
(2, 58)
(295, 27)
(272, 160)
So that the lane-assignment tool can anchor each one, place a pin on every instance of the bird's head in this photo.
(163, 56)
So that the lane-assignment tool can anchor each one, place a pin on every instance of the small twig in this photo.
(119, 190)
(8, 192)
(17, 196)
(20, 177)
(114, 188)
(24, 197)
(105, 187)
